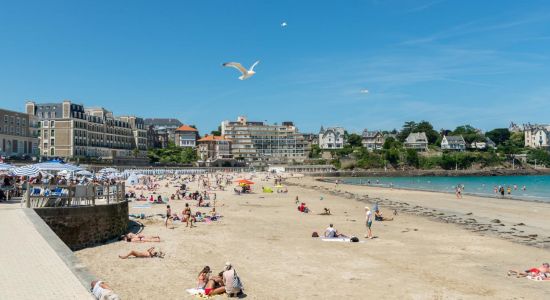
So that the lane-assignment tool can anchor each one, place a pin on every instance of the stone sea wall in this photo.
(81, 227)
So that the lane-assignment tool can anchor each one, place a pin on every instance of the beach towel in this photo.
(199, 293)
(142, 206)
(341, 240)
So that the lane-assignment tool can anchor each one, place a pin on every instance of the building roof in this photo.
(186, 128)
(417, 137)
(162, 122)
(370, 134)
(210, 138)
(454, 139)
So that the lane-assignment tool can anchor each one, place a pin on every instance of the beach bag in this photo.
(315, 234)
(354, 239)
(237, 284)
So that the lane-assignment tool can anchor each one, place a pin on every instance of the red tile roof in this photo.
(186, 128)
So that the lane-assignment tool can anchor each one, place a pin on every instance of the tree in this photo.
(355, 140)
(217, 132)
(392, 156)
(431, 134)
(135, 152)
(499, 135)
(540, 156)
(408, 127)
(411, 157)
(315, 151)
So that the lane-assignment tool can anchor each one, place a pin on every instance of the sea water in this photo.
(537, 187)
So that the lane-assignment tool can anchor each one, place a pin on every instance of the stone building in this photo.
(373, 140)
(161, 131)
(537, 136)
(17, 134)
(417, 141)
(214, 150)
(70, 130)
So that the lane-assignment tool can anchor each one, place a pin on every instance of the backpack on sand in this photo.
(237, 284)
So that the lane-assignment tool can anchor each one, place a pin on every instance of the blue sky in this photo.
(484, 63)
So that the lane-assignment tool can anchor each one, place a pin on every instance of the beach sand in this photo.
(416, 256)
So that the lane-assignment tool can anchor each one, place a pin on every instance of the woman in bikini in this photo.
(187, 215)
(214, 286)
(139, 238)
(203, 278)
(149, 253)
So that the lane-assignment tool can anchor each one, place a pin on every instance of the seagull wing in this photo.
(252, 68)
(237, 66)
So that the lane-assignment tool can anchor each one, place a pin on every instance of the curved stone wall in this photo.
(85, 226)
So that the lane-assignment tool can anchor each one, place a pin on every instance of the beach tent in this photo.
(267, 189)
(29, 170)
(108, 170)
(132, 179)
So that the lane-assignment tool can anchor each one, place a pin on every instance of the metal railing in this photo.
(46, 195)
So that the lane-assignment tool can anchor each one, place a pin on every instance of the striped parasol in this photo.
(28, 170)
(57, 166)
(6, 167)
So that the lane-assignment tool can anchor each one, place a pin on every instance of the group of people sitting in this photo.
(540, 273)
(226, 281)
(303, 208)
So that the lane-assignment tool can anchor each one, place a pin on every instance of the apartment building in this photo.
(162, 131)
(17, 136)
(262, 142)
(68, 130)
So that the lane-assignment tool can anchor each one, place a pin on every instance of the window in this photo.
(6, 119)
(52, 142)
(52, 151)
(52, 123)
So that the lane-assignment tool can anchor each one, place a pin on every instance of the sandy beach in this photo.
(432, 250)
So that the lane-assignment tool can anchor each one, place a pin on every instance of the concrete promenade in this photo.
(34, 262)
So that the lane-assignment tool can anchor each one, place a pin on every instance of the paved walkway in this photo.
(30, 268)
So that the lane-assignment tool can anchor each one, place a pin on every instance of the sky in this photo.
(483, 63)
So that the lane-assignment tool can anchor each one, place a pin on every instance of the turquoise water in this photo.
(537, 187)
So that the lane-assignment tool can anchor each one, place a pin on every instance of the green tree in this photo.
(499, 135)
(355, 140)
(431, 134)
(315, 151)
(411, 156)
(217, 132)
(408, 127)
(539, 156)
(392, 156)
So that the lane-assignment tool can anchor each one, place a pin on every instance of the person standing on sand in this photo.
(368, 217)
(168, 215)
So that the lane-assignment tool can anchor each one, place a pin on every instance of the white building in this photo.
(259, 142)
(186, 136)
(455, 143)
(331, 138)
(537, 136)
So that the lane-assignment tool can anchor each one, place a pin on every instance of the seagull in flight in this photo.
(284, 24)
(246, 73)
(364, 91)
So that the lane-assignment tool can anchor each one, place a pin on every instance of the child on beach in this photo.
(168, 215)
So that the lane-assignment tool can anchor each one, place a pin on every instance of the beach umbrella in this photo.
(57, 166)
(29, 170)
(108, 170)
(85, 173)
(244, 181)
(6, 167)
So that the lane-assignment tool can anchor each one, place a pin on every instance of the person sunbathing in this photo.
(139, 238)
(102, 291)
(378, 216)
(326, 213)
(215, 285)
(149, 253)
(545, 268)
(331, 232)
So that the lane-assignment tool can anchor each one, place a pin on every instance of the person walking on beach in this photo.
(368, 217)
